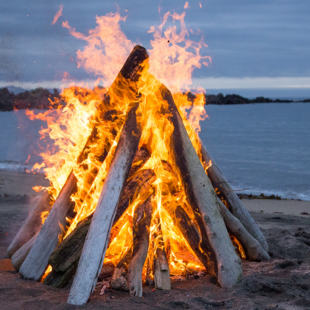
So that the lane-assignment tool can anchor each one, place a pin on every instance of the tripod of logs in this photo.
(82, 253)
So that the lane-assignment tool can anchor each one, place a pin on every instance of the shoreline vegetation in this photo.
(41, 98)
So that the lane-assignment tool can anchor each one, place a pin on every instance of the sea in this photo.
(261, 148)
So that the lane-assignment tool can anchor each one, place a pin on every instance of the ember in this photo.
(134, 189)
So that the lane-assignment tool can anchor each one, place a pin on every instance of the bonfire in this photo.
(137, 193)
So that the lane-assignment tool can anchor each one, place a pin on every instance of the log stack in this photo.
(219, 215)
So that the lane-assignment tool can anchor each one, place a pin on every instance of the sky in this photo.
(257, 47)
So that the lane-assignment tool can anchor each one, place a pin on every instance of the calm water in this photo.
(262, 148)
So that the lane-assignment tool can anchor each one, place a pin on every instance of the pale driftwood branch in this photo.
(161, 271)
(20, 255)
(32, 224)
(141, 235)
(252, 247)
(236, 206)
(98, 234)
(203, 200)
(52, 231)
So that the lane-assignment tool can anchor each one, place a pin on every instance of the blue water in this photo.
(261, 148)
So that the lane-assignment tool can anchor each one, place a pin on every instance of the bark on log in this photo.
(38, 257)
(98, 235)
(68, 252)
(191, 235)
(203, 200)
(141, 235)
(252, 247)
(20, 255)
(161, 271)
(32, 224)
(236, 206)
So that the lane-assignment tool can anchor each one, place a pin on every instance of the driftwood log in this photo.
(68, 252)
(236, 207)
(253, 249)
(203, 200)
(20, 255)
(161, 266)
(141, 235)
(50, 234)
(98, 234)
(32, 224)
(191, 235)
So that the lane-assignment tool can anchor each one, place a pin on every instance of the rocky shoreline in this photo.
(41, 98)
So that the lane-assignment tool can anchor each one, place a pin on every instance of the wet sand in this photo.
(283, 282)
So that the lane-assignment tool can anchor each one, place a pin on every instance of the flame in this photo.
(173, 57)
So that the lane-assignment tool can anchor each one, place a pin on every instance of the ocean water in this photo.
(261, 148)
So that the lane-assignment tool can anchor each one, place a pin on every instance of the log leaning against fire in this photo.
(236, 207)
(56, 224)
(68, 252)
(32, 224)
(252, 247)
(141, 233)
(203, 200)
(98, 234)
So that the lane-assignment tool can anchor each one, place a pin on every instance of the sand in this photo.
(283, 282)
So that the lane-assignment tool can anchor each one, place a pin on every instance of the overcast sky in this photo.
(253, 44)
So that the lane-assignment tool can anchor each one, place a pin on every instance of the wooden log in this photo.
(59, 279)
(252, 247)
(203, 200)
(20, 255)
(119, 279)
(53, 229)
(141, 235)
(32, 224)
(161, 271)
(236, 207)
(38, 257)
(192, 236)
(98, 234)
(68, 252)
(160, 262)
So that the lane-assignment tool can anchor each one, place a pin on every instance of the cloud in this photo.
(57, 15)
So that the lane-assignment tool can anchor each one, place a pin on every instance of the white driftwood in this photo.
(203, 200)
(98, 234)
(32, 224)
(252, 247)
(52, 231)
(236, 206)
(141, 233)
(161, 271)
(20, 255)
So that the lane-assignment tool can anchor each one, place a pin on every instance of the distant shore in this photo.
(41, 98)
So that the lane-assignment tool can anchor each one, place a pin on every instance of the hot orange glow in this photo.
(173, 57)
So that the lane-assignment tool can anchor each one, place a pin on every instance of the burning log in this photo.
(94, 249)
(20, 255)
(236, 207)
(141, 234)
(192, 236)
(161, 266)
(69, 251)
(119, 278)
(37, 259)
(252, 247)
(203, 200)
(32, 224)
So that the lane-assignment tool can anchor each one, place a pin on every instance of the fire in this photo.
(173, 57)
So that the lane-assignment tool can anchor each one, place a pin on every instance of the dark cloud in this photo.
(245, 38)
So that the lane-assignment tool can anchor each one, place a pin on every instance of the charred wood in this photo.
(141, 234)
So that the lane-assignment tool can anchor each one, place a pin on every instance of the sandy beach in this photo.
(280, 283)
